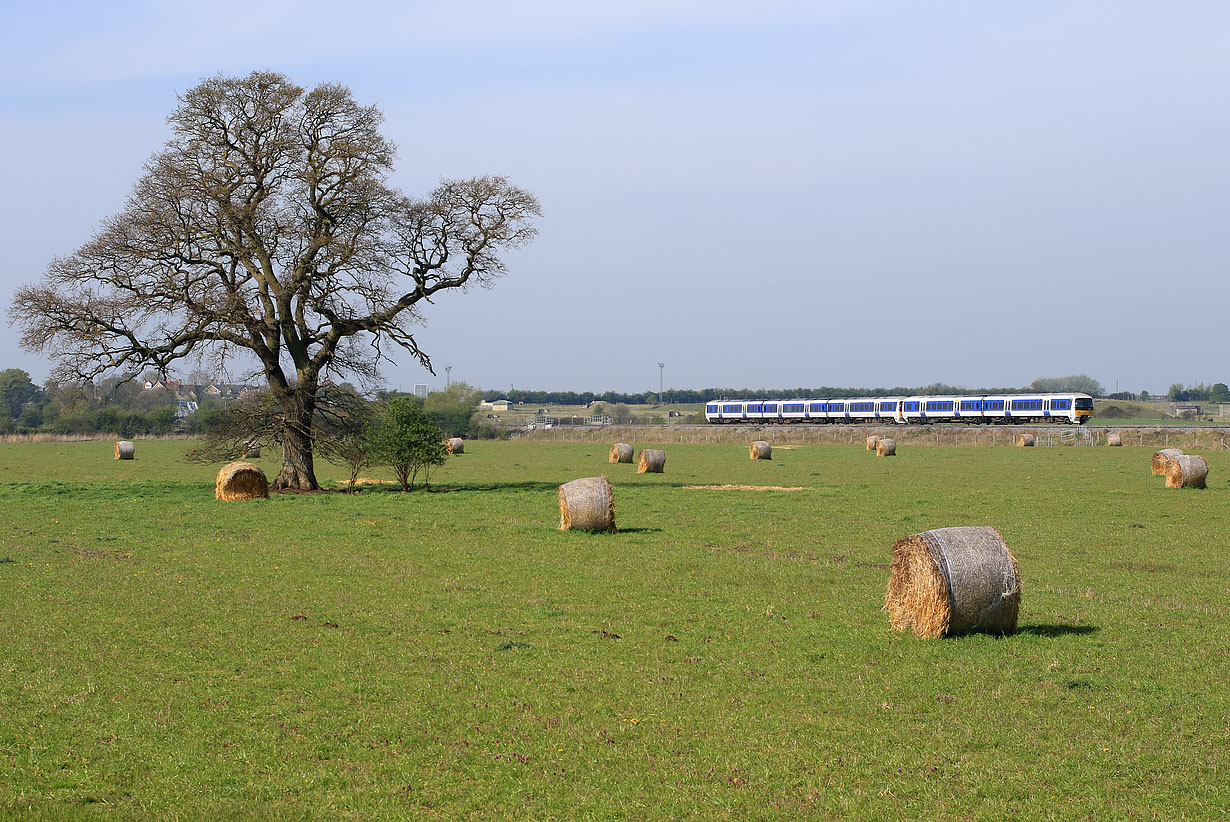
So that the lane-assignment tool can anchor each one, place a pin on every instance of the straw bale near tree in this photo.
(456, 445)
(952, 581)
(241, 481)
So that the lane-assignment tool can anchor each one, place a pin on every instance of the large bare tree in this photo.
(267, 224)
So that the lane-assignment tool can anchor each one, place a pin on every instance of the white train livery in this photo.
(1006, 409)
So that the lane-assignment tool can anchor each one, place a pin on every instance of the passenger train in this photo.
(1005, 409)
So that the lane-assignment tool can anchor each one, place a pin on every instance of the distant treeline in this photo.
(1080, 383)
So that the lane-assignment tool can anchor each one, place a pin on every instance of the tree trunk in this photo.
(297, 471)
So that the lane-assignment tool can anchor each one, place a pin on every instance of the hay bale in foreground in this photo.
(621, 452)
(587, 504)
(125, 450)
(886, 448)
(761, 450)
(1159, 460)
(871, 442)
(952, 581)
(456, 445)
(1186, 471)
(651, 461)
(1113, 438)
(1024, 440)
(251, 450)
(240, 481)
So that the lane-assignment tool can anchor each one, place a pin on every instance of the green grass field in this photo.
(452, 654)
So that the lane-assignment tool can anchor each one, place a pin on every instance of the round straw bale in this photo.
(1024, 440)
(761, 450)
(456, 445)
(587, 504)
(1113, 438)
(871, 442)
(240, 481)
(621, 452)
(125, 450)
(650, 461)
(251, 450)
(1159, 460)
(952, 581)
(1186, 471)
(886, 448)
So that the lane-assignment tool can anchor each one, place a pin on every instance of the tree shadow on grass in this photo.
(516, 485)
(1052, 631)
(442, 488)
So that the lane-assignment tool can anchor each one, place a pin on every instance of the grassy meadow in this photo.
(452, 654)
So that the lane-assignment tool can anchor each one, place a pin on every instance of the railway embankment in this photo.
(1194, 437)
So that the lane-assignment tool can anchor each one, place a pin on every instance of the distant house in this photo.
(496, 405)
(1184, 410)
(164, 385)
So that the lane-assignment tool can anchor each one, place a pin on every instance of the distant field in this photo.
(453, 655)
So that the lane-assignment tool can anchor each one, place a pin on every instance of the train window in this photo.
(793, 408)
(711, 409)
(770, 408)
(732, 409)
(817, 407)
(888, 406)
(753, 409)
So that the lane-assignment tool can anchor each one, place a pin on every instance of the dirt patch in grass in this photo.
(744, 488)
(119, 555)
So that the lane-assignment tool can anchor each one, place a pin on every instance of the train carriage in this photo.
(973, 409)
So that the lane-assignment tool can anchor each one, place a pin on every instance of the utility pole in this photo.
(661, 366)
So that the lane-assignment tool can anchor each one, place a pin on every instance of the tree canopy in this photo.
(267, 226)
(1082, 383)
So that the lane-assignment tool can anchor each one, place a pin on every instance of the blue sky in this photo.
(842, 193)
